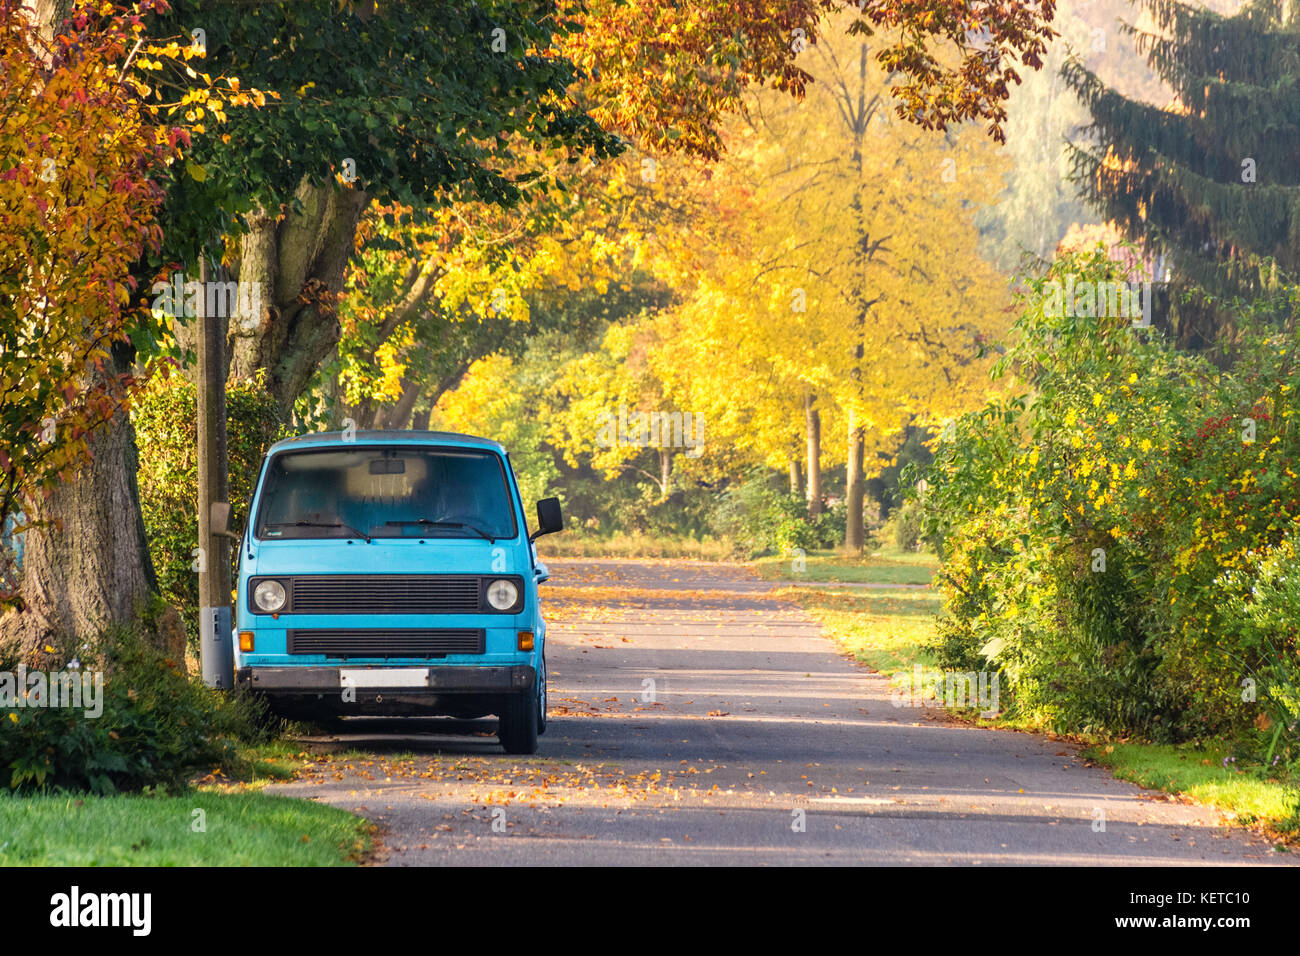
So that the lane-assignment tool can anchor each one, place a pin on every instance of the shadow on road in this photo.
(391, 735)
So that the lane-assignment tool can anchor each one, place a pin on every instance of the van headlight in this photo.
(268, 596)
(502, 594)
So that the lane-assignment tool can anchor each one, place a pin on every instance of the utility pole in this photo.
(216, 643)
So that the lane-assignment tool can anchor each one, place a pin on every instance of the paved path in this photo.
(695, 719)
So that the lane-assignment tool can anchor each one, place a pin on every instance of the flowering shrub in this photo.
(1262, 608)
(1102, 515)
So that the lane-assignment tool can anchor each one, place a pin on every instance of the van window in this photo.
(386, 492)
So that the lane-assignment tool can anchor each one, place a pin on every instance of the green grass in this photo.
(884, 629)
(1199, 773)
(243, 828)
(888, 566)
(272, 762)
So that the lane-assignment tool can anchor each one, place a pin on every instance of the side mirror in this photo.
(219, 516)
(549, 518)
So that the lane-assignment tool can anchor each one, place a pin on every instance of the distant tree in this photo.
(1211, 180)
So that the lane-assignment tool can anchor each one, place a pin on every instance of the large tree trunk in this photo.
(89, 569)
(796, 474)
(813, 425)
(300, 260)
(854, 536)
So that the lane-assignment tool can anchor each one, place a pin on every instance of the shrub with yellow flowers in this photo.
(1096, 517)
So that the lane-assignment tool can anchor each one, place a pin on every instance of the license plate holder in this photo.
(383, 677)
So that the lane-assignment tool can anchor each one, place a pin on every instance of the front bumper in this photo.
(310, 691)
(520, 678)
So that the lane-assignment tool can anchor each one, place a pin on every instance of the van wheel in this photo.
(517, 729)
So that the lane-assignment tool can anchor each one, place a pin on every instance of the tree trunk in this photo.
(665, 472)
(396, 415)
(796, 475)
(50, 14)
(89, 569)
(813, 425)
(854, 537)
(299, 259)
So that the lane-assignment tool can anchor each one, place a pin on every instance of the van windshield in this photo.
(386, 492)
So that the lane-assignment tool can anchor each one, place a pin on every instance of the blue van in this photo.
(392, 573)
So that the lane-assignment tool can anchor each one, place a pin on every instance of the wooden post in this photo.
(216, 645)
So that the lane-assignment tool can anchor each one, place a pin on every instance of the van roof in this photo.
(396, 437)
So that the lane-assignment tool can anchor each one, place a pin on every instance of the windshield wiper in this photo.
(445, 524)
(318, 524)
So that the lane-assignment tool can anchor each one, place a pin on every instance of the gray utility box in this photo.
(217, 647)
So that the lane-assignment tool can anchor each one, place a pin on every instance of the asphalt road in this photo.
(695, 719)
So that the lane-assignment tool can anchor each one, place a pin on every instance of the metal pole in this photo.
(216, 646)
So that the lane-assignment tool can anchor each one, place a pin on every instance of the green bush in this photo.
(904, 526)
(1095, 520)
(1262, 614)
(156, 729)
(165, 419)
(762, 519)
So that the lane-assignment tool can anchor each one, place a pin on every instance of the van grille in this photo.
(386, 642)
(384, 594)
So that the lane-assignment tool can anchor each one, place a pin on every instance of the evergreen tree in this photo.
(1210, 181)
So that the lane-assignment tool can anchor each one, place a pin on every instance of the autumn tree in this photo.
(78, 210)
(669, 75)
(419, 104)
(857, 286)
(666, 78)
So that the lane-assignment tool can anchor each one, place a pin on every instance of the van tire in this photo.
(517, 729)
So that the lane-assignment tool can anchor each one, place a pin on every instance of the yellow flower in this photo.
(1133, 377)
(1145, 444)
(1097, 399)
(1111, 418)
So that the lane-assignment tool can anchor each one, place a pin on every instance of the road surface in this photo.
(697, 719)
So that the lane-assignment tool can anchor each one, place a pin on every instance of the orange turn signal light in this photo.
(246, 642)
(525, 640)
